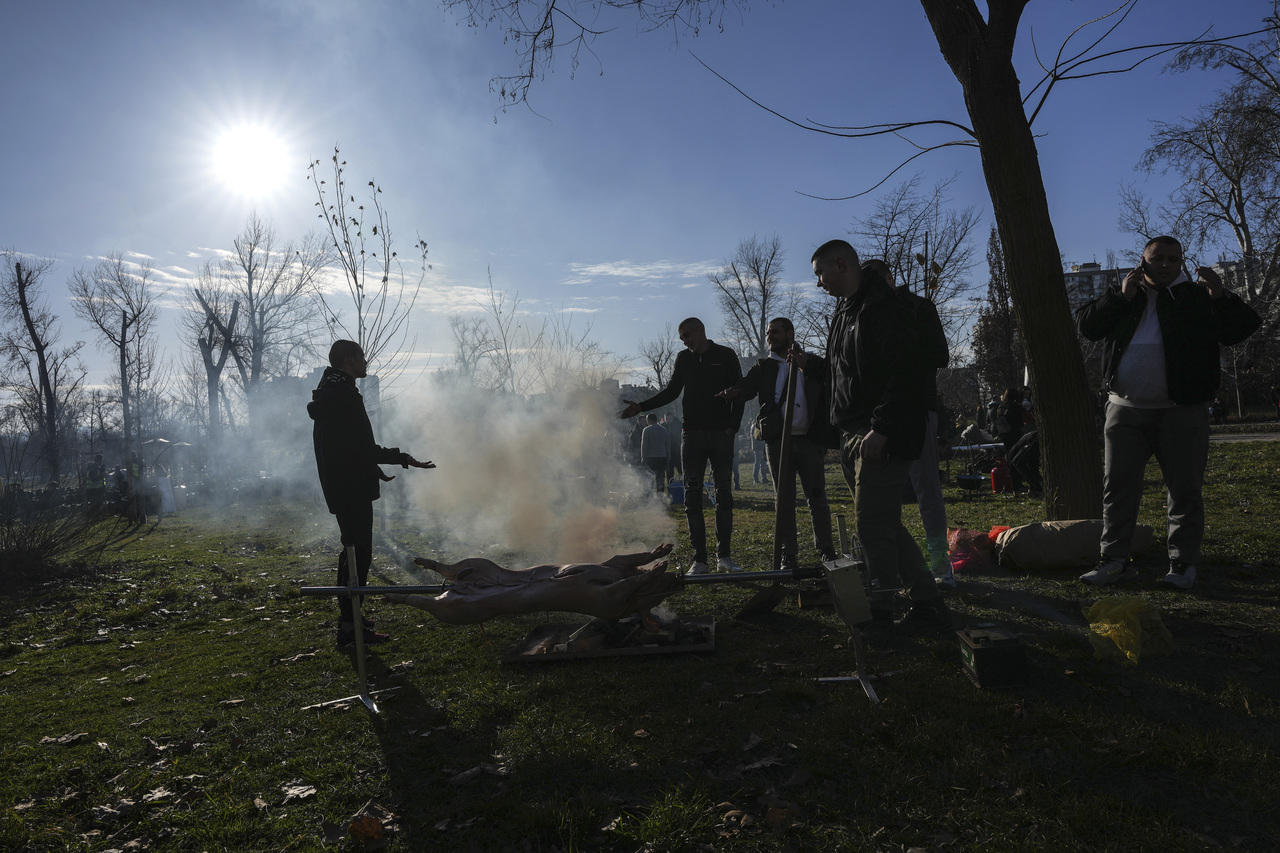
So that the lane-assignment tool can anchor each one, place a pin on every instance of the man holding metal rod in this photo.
(811, 435)
(347, 459)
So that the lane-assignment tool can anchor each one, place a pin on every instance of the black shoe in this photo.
(347, 639)
(927, 617)
(366, 622)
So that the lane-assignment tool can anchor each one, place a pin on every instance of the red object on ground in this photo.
(1000, 479)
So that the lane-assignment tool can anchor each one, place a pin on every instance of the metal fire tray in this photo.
(601, 639)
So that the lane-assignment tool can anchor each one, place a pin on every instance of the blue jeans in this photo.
(697, 448)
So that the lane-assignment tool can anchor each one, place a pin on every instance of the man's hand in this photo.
(414, 463)
(1209, 279)
(632, 409)
(797, 356)
(1129, 287)
(728, 394)
(873, 446)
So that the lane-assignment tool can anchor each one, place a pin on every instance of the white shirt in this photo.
(800, 414)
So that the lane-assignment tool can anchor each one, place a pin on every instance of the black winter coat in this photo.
(875, 375)
(347, 457)
(1192, 325)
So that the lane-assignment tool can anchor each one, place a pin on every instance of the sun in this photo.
(250, 160)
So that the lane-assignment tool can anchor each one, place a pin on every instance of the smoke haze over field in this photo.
(542, 477)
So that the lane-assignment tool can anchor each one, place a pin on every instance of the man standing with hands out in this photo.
(347, 459)
(1161, 368)
(702, 370)
(878, 400)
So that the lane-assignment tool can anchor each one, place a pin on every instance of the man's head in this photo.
(693, 334)
(880, 268)
(780, 335)
(835, 264)
(348, 357)
(1162, 260)
(651, 419)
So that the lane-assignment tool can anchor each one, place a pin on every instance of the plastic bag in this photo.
(969, 550)
(1127, 628)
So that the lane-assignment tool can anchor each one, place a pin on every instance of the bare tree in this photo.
(927, 244)
(119, 299)
(979, 50)
(659, 354)
(381, 295)
(209, 320)
(750, 293)
(45, 376)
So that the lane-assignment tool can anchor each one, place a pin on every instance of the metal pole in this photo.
(353, 583)
(784, 487)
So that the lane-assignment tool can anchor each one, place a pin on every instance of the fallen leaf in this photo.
(65, 739)
(297, 791)
(231, 702)
(260, 804)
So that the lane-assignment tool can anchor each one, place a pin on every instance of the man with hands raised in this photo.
(1161, 367)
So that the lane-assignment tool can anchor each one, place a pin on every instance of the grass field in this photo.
(159, 702)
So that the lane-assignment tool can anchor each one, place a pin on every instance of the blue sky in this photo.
(613, 196)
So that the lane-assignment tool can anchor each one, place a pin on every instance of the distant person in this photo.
(654, 443)
(1161, 364)
(934, 355)
(1009, 422)
(760, 459)
(1275, 399)
(878, 392)
(1024, 459)
(135, 505)
(672, 425)
(347, 460)
(95, 482)
(703, 369)
(811, 434)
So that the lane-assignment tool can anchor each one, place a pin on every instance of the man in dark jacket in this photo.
(878, 391)
(702, 370)
(1161, 368)
(811, 433)
(347, 458)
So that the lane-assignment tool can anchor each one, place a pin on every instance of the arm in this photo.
(674, 387)
(1096, 319)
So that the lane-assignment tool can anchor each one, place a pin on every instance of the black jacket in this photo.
(931, 341)
(761, 382)
(347, 457)
(1192, 325)
(876, 379)
(700, 378)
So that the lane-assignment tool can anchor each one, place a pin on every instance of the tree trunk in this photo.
(981, 55)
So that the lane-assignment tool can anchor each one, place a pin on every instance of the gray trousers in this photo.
(893, 557)
(924, 479)
(806, 463)
(1179, 438)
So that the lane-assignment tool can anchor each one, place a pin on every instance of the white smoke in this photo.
(543, 477)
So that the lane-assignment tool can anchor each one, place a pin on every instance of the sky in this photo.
(611, 195)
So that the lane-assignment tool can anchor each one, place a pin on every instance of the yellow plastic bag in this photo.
(1127, 628)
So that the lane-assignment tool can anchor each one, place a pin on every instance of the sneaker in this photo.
(347, 639)
(1109, 571)
(1181, 575)
(698, 568)
(927, 616)
(366, 622)
(945, 581)
(726, 564)
(829, 557)
(789, 563)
